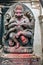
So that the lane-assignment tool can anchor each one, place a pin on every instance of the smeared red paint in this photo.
(19, 55)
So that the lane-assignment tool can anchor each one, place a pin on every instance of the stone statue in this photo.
(18, 28)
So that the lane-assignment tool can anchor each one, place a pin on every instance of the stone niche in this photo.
(26, 58)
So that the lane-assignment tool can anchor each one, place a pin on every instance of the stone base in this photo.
(18, 50)
(19, 59)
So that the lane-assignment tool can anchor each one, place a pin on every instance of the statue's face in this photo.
(18, 11)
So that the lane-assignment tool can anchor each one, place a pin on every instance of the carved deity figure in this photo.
(18, 28)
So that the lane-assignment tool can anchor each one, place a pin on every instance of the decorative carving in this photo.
(19, 29)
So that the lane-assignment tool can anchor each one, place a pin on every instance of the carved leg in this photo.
(17, 43)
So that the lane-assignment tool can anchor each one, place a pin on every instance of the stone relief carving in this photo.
(18, 27)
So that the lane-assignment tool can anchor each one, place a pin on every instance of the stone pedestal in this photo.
(20, 59)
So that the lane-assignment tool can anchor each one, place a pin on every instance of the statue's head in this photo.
(18, 10)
